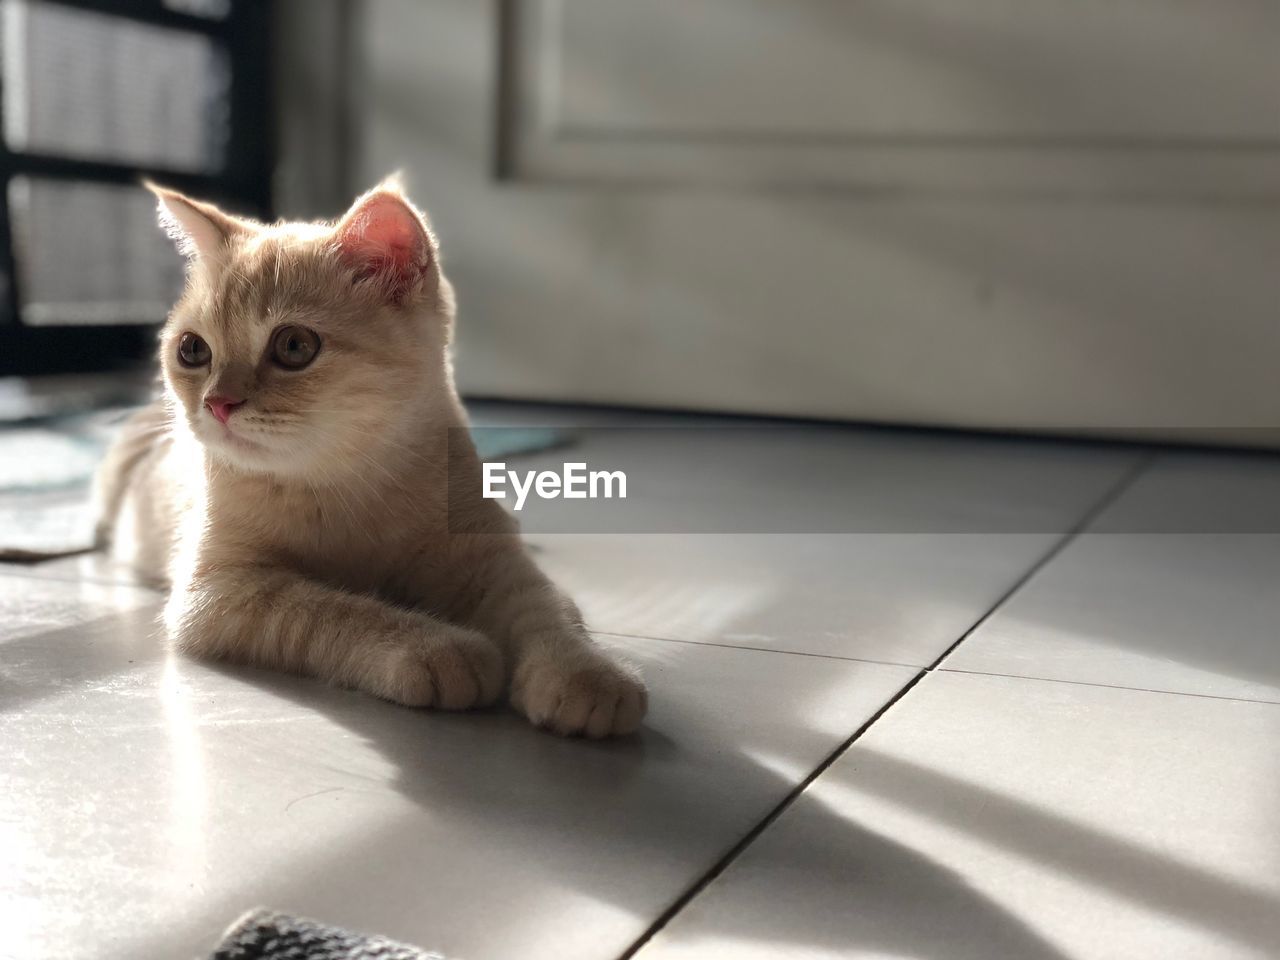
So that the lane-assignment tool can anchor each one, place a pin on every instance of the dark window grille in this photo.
(94, 96)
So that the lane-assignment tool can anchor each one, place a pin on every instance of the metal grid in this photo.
(198, 69)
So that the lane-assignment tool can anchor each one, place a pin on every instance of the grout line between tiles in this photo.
(97, 581)
(734, 852)
(739, 646)
(1086, 520)
(1106, 500)
(1109, 686)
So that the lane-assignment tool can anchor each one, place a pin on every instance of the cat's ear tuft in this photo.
(384, 238)
(200, 230)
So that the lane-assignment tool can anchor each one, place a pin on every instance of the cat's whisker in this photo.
(336, 490)
(382, 501)
(152, 431)
(381, 468)
(371, 462)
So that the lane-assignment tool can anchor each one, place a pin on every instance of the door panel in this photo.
(1046, 70)
(1092, 268)
(1148, 98)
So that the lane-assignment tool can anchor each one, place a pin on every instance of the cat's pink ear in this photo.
(384, 238)
(199, 229)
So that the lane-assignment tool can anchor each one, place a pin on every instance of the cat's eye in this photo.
(192, 351)
(294, 347)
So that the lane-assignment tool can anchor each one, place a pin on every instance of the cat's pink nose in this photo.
(222, 407)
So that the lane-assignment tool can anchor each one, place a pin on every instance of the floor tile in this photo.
(1171, 593)
(731, 477)
(870, 544)
(31, 605)
(883, 597)
(150, 799)
(95, 567)
(987, 816)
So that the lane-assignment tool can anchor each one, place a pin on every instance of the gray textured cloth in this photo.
(265, 935)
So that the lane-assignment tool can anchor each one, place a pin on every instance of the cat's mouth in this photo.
(228, 437)
(239, 442)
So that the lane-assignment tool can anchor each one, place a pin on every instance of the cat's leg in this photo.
(277, 619)
(561, 679)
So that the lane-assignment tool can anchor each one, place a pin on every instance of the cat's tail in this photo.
(139, 437)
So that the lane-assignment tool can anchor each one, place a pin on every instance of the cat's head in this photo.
(296, 347)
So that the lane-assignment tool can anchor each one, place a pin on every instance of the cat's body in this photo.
(307, 488)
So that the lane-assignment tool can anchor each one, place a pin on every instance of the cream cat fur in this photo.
(319, 511)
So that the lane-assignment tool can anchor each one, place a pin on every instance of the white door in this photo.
(988, 213)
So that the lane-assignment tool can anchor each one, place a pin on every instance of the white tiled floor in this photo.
(188, 792)
(895, 544)
(892, 598)
(1137, 602)
(1018, 801)
(988, 816)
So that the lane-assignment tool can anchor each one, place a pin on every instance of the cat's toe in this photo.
(597, 700)
(457, 672)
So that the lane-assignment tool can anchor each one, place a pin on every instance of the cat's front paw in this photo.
(456, 670)
(587, 696)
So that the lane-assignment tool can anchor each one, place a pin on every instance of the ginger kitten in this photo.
(291, 486)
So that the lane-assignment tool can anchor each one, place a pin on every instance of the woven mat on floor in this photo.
(264, 935)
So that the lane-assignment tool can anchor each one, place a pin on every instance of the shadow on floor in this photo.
(518, 815)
